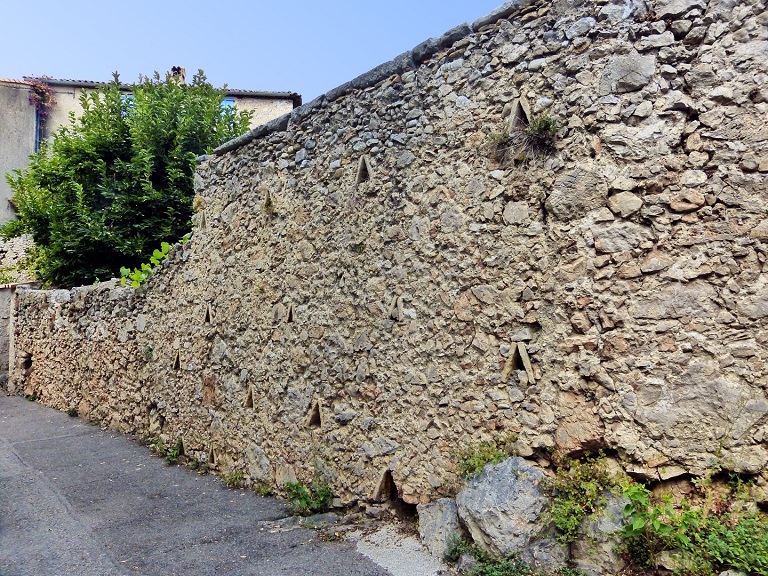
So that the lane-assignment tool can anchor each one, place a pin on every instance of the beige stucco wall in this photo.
(17, 136)
(18, 125)
(264, 109)
(67, 101)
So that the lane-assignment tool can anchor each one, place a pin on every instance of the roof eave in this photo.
(292, 96)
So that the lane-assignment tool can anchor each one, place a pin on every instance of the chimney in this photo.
(179, 74)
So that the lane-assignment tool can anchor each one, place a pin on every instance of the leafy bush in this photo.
(649, 527)
(578, 491)
(705, 541)
(471, 459)
(118, 181)
(306, 501)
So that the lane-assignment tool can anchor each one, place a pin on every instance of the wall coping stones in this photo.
(301, 112)
(276, 125)
(504, 11)
(398, 65)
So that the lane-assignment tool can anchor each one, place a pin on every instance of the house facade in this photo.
(23, 128)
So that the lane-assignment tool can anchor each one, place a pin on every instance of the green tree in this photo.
(118, 181)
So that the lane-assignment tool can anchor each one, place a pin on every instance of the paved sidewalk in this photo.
(78, 500)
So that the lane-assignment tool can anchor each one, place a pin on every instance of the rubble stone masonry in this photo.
(399, 267)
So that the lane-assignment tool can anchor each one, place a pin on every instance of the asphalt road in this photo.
(75, 499)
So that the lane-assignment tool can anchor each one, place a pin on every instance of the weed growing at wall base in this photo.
(309, 500)
(234, 480)
(263, 489)
(699, 541)
(487, 565)
(579, 490)
(172, 454)
(721, 528)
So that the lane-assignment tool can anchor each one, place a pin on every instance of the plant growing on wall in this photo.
(579, 490)
(472, 458)
(118, 181)
(521, 143)
(41, 97)
(703, 539)
(138, 276)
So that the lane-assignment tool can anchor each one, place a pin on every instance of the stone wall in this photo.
(371, 282)
(13, 252)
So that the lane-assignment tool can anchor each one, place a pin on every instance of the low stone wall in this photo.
(13, 252)
(372, 283)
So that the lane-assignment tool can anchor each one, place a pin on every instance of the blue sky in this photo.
(299, 46)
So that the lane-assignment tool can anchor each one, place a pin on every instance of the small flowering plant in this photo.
(41, 96)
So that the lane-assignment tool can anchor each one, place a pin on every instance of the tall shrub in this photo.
(118, 181)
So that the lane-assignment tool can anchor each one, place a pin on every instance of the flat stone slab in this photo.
(77, 500)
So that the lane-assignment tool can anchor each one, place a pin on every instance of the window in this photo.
(127, 102)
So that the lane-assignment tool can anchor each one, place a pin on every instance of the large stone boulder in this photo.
(504, 510)
(438, 525)
(595, 550)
